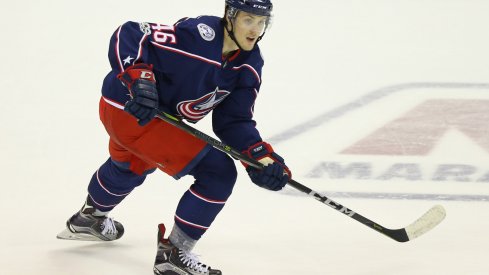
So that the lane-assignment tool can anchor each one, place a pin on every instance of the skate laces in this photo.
(108, 227)
(192, 261)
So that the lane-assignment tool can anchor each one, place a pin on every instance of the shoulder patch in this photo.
(206, 32)
(145, 28)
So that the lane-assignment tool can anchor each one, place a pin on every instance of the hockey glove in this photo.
(141, 83)
(275, 174)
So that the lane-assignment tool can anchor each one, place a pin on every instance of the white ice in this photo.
(320, 56)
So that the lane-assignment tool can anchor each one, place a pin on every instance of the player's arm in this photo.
(233, 123)
(232, 119)
(128, 56)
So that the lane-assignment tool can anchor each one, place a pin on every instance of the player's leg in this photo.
(177, 153)
(109, 185)
(215, 176)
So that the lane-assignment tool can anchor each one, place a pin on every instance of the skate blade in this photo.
(68, 235)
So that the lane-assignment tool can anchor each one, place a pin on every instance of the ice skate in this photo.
(171, 260)
(84, 226)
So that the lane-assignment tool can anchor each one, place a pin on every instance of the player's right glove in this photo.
(139, 79)
(275, 174)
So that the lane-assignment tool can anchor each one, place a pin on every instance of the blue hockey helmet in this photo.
(257, 7)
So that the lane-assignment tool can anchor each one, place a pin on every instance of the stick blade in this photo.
(425, 223)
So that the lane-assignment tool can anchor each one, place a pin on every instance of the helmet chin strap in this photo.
(231, 35)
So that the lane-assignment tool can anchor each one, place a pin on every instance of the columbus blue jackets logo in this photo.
(194, 110)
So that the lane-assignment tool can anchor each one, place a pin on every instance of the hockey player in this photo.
(188, 69)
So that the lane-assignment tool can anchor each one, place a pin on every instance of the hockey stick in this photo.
(424, 224)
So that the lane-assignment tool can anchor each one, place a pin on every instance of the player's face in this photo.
(247, 28)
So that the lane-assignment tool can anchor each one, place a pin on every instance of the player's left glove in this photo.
(139, 79)
(275, 175)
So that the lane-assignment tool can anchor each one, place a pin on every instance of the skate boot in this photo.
(85, 226)
(171, 260)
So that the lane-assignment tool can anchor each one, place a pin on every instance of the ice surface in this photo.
(335, 72)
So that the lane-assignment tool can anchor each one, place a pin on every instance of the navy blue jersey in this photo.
(192, 77)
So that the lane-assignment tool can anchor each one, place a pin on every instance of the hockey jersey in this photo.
(192, 77)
